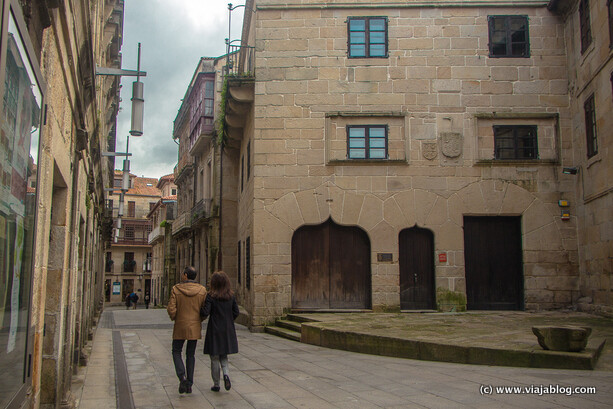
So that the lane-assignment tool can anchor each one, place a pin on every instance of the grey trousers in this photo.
(215, 361)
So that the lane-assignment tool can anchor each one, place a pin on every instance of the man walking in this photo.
(186, 299)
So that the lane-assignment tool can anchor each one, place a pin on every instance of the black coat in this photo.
(220, 338)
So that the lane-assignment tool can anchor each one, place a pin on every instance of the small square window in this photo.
(367, 37)
(509, 36)
(512, 142)
(367, 142)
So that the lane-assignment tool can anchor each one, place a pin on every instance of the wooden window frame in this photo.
(131, 208)
(591, 135)
(516, 137)
(509, 36)
(367, 137)
(585, 25)
(367, 34)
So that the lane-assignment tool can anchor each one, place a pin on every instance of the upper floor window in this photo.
(509, 36)
(610, 9)
(173, 191)
(131, 209)
(590, 126)
(367, 141)
(367, 37)
(584, 21)
(515, 142)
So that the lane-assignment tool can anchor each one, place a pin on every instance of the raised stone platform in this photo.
(483, 338)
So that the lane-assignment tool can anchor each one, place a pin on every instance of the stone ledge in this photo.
(324, 334)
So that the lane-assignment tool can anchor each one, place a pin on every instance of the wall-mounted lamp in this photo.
(570, 170)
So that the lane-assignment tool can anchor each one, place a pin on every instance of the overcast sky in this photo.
(174, 34)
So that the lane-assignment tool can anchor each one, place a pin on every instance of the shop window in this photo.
(20, 127)
(515, 142)
(367, 141)
(367, 37)
(508, 36)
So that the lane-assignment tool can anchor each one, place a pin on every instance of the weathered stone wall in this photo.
(590, 74)
(440, 91)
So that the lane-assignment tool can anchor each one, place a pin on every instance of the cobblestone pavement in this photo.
(131, 366)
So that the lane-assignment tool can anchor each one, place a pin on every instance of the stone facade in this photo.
(63, 262)
(591, 73)
(160, 239)
(440, 93)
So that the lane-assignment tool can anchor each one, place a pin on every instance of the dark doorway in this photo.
(330, 267)
(416, 262)
(493, 262)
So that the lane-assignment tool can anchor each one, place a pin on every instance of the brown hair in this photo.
(220, 286)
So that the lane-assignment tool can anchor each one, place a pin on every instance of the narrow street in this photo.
(271, 372)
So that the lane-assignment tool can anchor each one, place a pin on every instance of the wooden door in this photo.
(330, 267)
(416, 263)
(493, 262)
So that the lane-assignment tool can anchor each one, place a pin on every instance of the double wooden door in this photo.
(331, 267)
(493, 262)
(416, 263)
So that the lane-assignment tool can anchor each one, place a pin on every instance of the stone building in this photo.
(588, 35)
(57, 118)
(202, 198)
(410, 156)
(160, 239)
(128, 262)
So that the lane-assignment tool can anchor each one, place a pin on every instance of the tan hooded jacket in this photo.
(186, 299)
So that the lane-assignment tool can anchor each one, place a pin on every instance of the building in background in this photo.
(57, 118)
(162, 244)
(201, 241)
(129, 260)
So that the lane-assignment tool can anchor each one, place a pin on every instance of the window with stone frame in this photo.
(131, 209)
(508, 36)
(590, 126)
(584, 22)
(238, 262)
(610, 10)
(367, 37)
(248, 263)
(367, 141)
(512, 142)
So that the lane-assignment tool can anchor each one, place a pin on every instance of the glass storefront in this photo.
(20, 123)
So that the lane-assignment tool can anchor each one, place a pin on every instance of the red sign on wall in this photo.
(442, 257)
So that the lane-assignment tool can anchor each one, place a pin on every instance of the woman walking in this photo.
(220, 340)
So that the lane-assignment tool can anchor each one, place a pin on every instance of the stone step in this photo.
(291, 325)
(299, 318)
(283, 332)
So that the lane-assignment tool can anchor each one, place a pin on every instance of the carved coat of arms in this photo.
(429, 150)
(451, 144)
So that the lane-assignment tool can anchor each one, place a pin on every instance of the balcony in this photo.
(157, 234)
(131, 241)
(240, 69)
(201, 211)
(182, 223)
(241, 61)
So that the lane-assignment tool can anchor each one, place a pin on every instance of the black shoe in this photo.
(188, 389)
(215, 388)
(226, 382)
(183, 386)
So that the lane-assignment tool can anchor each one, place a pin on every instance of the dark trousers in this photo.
(190, 360)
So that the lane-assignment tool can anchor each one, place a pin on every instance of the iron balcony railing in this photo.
(182, 222)
(241, 61)
(157, 233)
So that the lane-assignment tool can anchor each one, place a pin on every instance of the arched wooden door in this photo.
(330, 267)
(416, 259)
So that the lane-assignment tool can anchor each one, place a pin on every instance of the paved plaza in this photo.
(130, 366)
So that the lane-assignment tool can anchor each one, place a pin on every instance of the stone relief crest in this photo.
(429, 150)
(451, 144)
